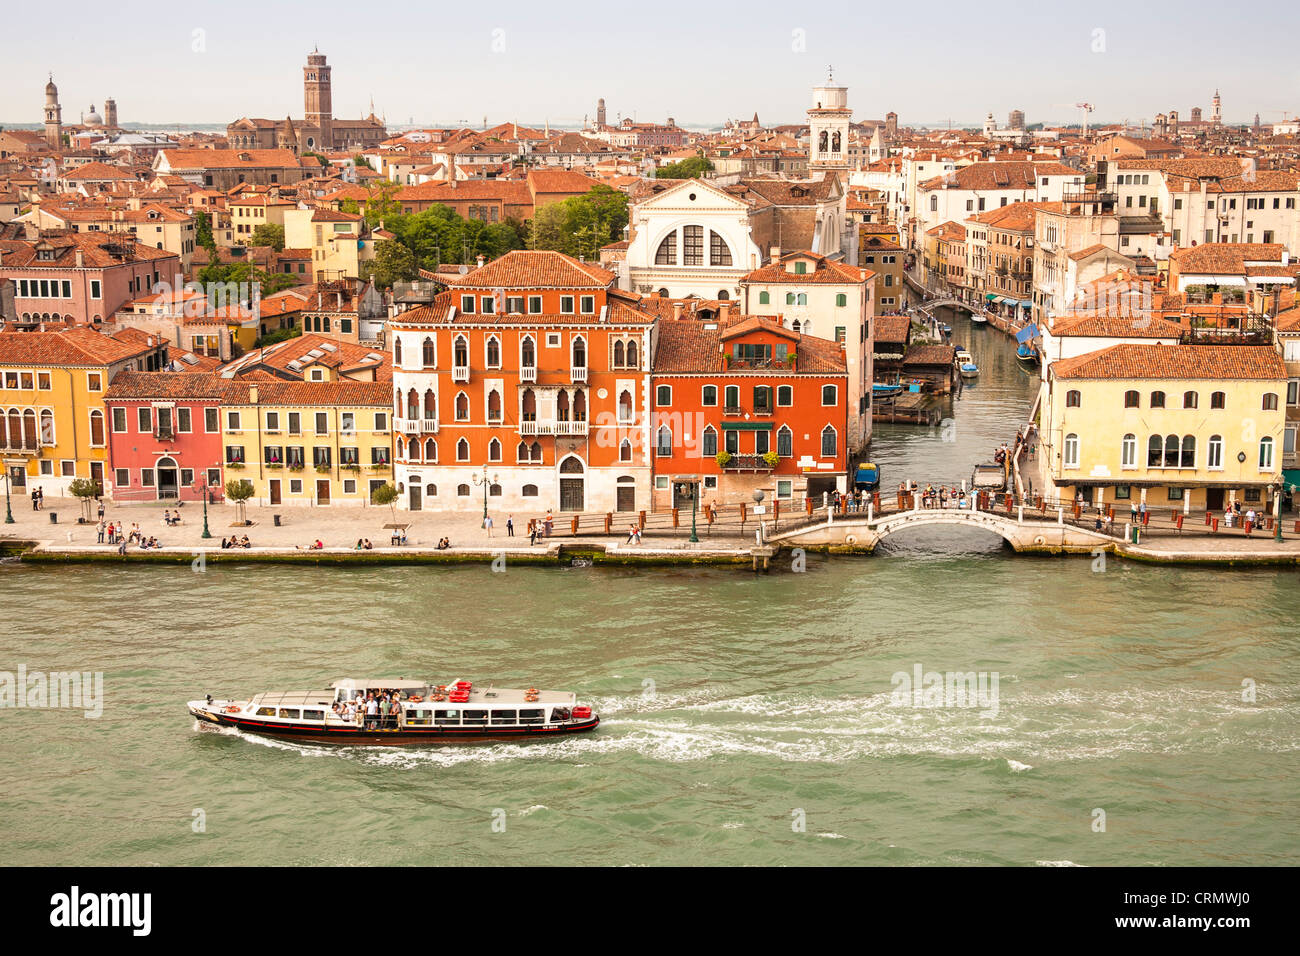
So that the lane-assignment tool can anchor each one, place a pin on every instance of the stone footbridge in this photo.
(1025, 533)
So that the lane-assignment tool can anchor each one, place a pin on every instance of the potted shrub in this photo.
(274, 465)
(323, 469)
(771, 459)
(235, 465)
(723, 458)
(295, 467)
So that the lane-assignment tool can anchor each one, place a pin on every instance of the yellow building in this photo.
(52, 425)
(339, 242)
(249, 212)
(1175, 426)
(308, 443)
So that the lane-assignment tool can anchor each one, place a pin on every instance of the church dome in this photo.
(92, 118)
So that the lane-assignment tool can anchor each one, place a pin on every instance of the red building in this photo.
(164, 436)
(744, 404)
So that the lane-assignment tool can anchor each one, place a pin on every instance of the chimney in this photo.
(479, 260)
(724, 310)
(677, 311)
(774, 253)
(252, 394)
(81, 259)
(339, 296)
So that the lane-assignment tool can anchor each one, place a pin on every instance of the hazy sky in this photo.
(699, 63)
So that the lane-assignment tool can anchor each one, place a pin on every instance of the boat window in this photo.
(293, 713)
(313, 715)
(416, 717)
(505, 716)
(475, 717)
(560, 713)
(530, 716)
(266, 711)
(446, 716)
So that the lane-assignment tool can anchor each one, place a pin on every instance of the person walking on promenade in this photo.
(487, 523)
(510, 526)
(532, 532)
(101, 530)
(36, 505)
(549, 523)
(101, 511)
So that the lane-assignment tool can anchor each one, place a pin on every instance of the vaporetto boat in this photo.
(405, 712)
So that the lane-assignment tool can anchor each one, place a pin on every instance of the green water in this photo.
(747, 719)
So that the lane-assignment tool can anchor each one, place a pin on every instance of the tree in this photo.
(239, 278)
(203, 233)
(385, 494)
(84, 489)
(359, 160)
(580, 225)
(269, 234)
(239, 490)
(380, 205)
(393, 262)
(692, 168)
(276, 335)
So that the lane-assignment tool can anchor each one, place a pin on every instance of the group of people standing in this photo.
(379, 711)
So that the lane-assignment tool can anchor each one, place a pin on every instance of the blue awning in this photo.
(1026, 304)
(1027, 333)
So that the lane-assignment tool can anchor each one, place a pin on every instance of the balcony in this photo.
(552, 427)
(732, 410)
(460, 373)
(746, 463)
(164, 434)
(528, 373)
(30, 447)
(413, 426)
(578, 376)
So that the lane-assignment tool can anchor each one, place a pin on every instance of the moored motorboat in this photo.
(966, 364)
(1027, 354)
(885, 389)
(404, 712)
(979, 318)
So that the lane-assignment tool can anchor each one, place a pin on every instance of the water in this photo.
(736, 707)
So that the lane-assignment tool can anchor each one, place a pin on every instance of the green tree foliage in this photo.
(269, 234)
(385, 494)
(277, 335)
(438, 236)
(580, 225)
(393, 262)
(203, 233)
(84, 489)
(239, 490)
(243, 275)
(359, 160)
(381, 206)
(692, 168)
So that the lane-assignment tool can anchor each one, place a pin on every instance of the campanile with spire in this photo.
(53, 116)
(318, 106)
(828, 129)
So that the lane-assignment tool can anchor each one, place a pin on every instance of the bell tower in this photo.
(828, 129)
(53, 116)
(318, 107)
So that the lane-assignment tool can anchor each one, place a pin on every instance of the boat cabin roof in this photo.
(387, 683)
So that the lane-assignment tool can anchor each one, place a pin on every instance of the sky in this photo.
(439, 64)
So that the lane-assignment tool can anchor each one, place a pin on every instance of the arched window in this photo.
(397, 402)
(785, 442)
(528, 352)
(1155, 451)
(430, 404)
(934, 204)
(462, 407)
(795, 325)
(625, 407)
(618, 354)
(412, 404)
(709, 445)
(427, 353)
(529, 491)
(830, 395)
(462, 491)
(493, 352)
(536, 450)
(494, 490)
(431, 491)
(1171, 451)
(562, 405)
(47, 427)
(1218, 400)
(1190, 399)
(571, 466)
(789, 298)
(802, 299)
(764, 299)
(528, 406)
(460, 352)
(579, 406)
(430, 450)
(666, 254)
(462, 450)
(625, 450)
(579, 352)
(414, 449)
(521, 452)
(96, 429)
(1266, 452)
(1270, 403)
(829, 442)
(664, 442)
(709, 396)
(1073, 398)
(397, 351)
(1214, 452)
(1188, 457)
(1128, 452)
(1131, 399)
(719, 254)
(731, 398)
(723, 295)
(494, 406)
(1157, 399)
(632, 352)
(494, 450)
(1070, 458)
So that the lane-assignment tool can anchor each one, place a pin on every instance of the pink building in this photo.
(78, 278)
(164, 436)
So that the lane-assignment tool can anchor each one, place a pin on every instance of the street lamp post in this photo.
(693, 488)
(206, 532)
(486, 485)
(9, 511)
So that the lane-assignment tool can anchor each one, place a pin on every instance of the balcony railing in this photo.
(164, 434)
(551, 427)
(460, 373)
(732, 410)
(22, 448)
(747, 463)
(411, 426)
(578, 375)
(528, 373)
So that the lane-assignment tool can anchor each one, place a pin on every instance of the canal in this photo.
(1142, 715)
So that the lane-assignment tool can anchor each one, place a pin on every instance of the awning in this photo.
(746, 426)
(1026, 304)
(1291, 476)
(990, 296)
(1027, 333)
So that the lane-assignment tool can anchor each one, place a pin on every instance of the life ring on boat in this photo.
(438, 697)
(232, 708)
(530, 698)
(442, 688)
(415, 699)
(532, 690)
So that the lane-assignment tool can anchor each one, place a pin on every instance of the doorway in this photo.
(1213, 499)
(322, 491)
(275, 491)
(416, 503)
(571, 488)
(167, 487)
(626, 495)
(97, 476)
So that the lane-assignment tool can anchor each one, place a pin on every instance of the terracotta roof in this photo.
(228, 158)
(892, 328)
(535, 269)
(289, 358)
(96, 171)
(99, 250)
(1226, 258)
(930, 355)
(1202, 362)
(165, 385)
(309, 393)
(1000, 175)
(691, 345)
(824, 270)
(1116, 326)
(71, 347)
(510, 193)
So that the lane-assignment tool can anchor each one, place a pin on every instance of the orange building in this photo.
(530, 376)
(743, 404)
